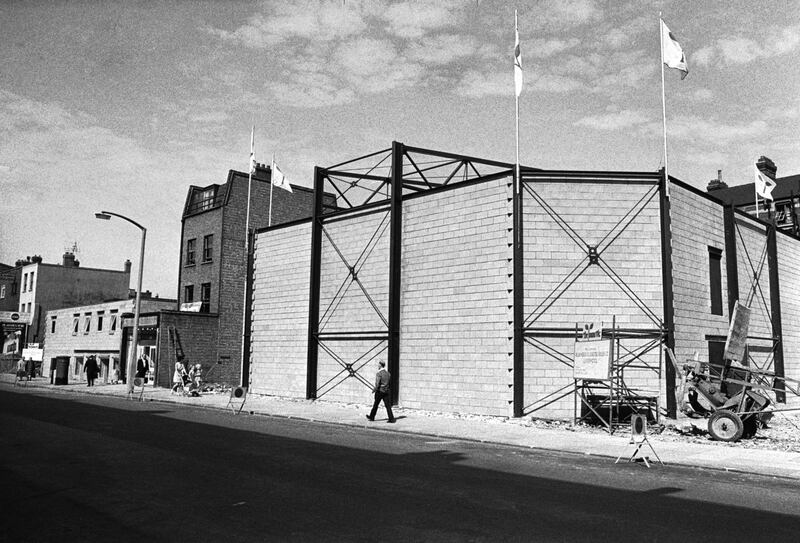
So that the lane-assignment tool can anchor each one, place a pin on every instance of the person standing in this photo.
(382, 392)
(92, 369)
(141, 367)
(30, 368)
(178, 378)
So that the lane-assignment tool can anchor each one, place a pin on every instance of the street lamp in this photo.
(106, 215)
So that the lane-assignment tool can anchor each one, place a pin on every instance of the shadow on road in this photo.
(125, 472)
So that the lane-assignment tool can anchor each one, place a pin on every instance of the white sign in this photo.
(737, 333)
(192, 307)
(35, 354)
(592, 360)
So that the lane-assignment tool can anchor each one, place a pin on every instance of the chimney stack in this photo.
(262, 171)
(716, 184)
(69, 260)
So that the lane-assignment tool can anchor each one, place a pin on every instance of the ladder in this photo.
(176, 342)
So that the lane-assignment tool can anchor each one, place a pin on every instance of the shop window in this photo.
(100, 315)
(715, 279)
(53, 325)
(205, 297)
(188, 294)
(76, 322)
(78, 366)
(208, 247)
(190, 251)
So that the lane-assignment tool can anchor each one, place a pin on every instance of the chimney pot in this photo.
(127, 267)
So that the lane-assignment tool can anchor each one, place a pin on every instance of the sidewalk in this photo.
(517, 432)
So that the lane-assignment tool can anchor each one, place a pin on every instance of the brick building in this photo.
(213, 260)
(74, 333)
(36, 287)
(475, 293)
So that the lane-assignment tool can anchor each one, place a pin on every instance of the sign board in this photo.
(15, 317)
(148, 321)
(192, 307)
(737, 333)
(34, 354)
(638, 428)
(592, 360)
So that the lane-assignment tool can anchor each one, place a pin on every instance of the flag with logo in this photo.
(278, 179)
(671, 51)
(517, 59)
(764, 185)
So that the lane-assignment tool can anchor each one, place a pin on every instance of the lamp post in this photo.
(106, 215)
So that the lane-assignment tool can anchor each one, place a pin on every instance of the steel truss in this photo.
(768, 256)
(375, 183)
(630, 344)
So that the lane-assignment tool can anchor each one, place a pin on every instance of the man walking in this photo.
(382, 392)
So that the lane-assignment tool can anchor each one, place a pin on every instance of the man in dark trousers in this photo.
(382, 392)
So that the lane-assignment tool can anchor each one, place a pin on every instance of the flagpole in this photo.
(271, 184)
(663, 103)
(516, 135)
(250, 168)
(755, 187)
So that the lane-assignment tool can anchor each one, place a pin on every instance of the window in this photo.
(76, 321)
(53, 325)
(205, 297)
(113, 317)
(30, 287)
(29, 307)
(87, 322)
(24, 282)
(13, 287)
(2, 291)
(188, 294)
(715, 279)
(208, 246)
(190, 248)
(100, 315)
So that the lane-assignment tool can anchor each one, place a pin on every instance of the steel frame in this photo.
(374, 183)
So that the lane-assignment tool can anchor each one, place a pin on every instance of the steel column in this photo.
(314, 283)
(775, 309)
(248, 310)
(395, 257)
(667, 292)
(731, 263)
(519, 297)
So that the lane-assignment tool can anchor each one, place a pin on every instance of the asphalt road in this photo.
(77, 468)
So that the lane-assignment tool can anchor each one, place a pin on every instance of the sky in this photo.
(122, 105)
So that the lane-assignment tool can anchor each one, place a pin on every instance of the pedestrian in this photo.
(115, 375)
(382, 392)
(30, 368)
(141, 367)
(196, 379)
(92, 369)
(179, 377)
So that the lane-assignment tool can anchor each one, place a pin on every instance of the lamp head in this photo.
(102, 215)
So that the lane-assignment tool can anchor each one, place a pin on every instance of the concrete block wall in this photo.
(351, 310)
(697, 224)
(550, 256)
(751, 246)
(454, 344)
(789, 281)
(279, 342)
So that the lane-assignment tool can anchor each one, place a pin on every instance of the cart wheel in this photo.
(725, 426)
(749, 426)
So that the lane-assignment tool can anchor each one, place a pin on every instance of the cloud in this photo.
(614, 120)
(415, 19)
(712, 131)
(741, 50)
(442, 49)
(476, 84)
(550, 14)
(310, 90)
(543, 48)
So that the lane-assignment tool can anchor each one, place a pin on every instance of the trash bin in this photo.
(62, 371)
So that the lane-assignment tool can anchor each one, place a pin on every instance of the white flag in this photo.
(672, 52)
(278, 179)
(252, 151)
(517, 59)
(764, 185)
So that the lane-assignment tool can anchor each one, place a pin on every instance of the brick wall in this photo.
(550, 256)
(455, 283)
(198, 337)
(280, 311)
